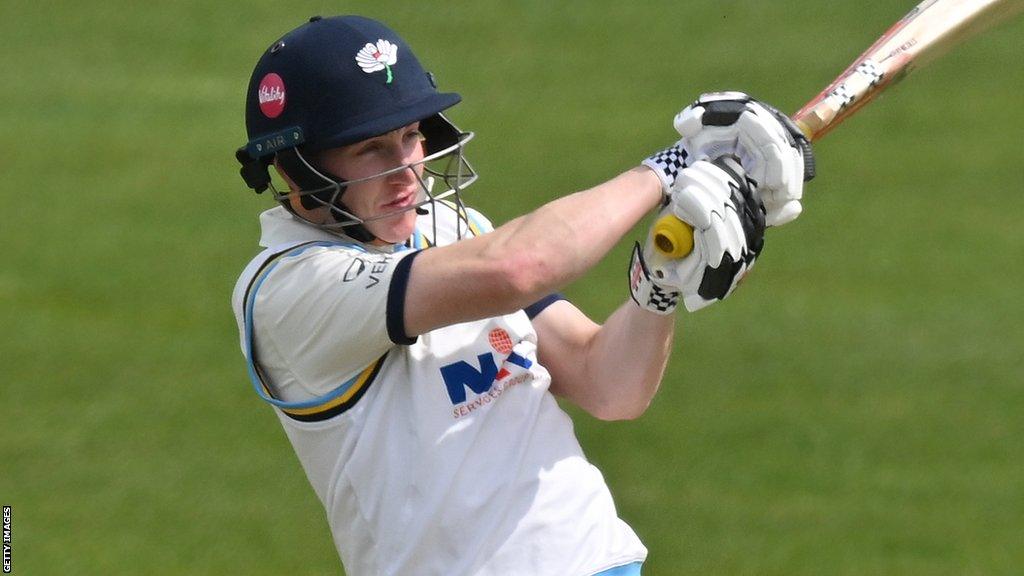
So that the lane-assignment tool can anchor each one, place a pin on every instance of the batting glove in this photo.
(667, 164)
(772, 150)
(728, 220)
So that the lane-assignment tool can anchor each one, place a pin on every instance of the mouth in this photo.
(404, 200)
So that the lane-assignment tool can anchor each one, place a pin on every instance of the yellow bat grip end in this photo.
(672, 237)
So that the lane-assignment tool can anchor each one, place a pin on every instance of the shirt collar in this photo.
(279, 226)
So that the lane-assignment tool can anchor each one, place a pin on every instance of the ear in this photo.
(317, 215)
(281, 173)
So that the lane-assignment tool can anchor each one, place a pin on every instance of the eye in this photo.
(415, 136)
(370, 148)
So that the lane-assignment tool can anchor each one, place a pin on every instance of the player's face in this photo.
(394, 193)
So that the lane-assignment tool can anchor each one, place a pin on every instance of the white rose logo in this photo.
(381, 56)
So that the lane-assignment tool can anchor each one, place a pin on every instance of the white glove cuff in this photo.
(645, 292)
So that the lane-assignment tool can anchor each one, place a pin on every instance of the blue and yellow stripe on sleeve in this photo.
(316, 409)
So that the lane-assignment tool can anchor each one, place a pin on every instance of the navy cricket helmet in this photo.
(337, 81)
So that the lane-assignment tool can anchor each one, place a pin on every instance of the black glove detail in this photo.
(722, 112)
(717, 282)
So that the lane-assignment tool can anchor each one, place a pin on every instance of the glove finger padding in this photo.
(699, 194)
(728, 234)
(723, 237)
(761, 138)
(770, 147)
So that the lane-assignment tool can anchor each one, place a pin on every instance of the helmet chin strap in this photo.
(308, 177)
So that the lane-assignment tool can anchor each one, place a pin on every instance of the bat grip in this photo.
(673, 238)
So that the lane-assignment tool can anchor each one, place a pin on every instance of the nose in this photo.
(405, 157)
(404, 177)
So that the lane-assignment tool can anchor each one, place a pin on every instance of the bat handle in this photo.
(673, 238)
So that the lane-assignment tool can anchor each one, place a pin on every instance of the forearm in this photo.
(611, 371)
(561, 240)
(625, 361)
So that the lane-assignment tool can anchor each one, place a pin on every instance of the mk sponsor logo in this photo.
(461, 375)
(485, 379)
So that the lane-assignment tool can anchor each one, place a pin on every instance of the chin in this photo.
(396, 231)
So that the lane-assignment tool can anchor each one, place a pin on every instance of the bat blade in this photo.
(925, 33)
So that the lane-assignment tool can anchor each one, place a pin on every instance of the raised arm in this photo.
(527, 258)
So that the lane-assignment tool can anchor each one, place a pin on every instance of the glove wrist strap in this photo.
(645, 292)
(667, 164)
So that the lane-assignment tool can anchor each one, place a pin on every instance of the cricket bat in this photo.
(925, 33)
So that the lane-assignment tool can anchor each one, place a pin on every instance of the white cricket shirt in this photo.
(439, 455)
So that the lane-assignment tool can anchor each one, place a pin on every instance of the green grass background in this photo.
(855, 409)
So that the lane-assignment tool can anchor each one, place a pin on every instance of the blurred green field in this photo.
(856, 409)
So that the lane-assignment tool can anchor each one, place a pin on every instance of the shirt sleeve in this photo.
(395, 312)
(328, 312)
(537, 307)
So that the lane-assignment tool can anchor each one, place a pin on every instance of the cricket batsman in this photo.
(413, 353)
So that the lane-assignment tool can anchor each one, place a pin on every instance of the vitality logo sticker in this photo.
(382, 56)
(271, 95)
